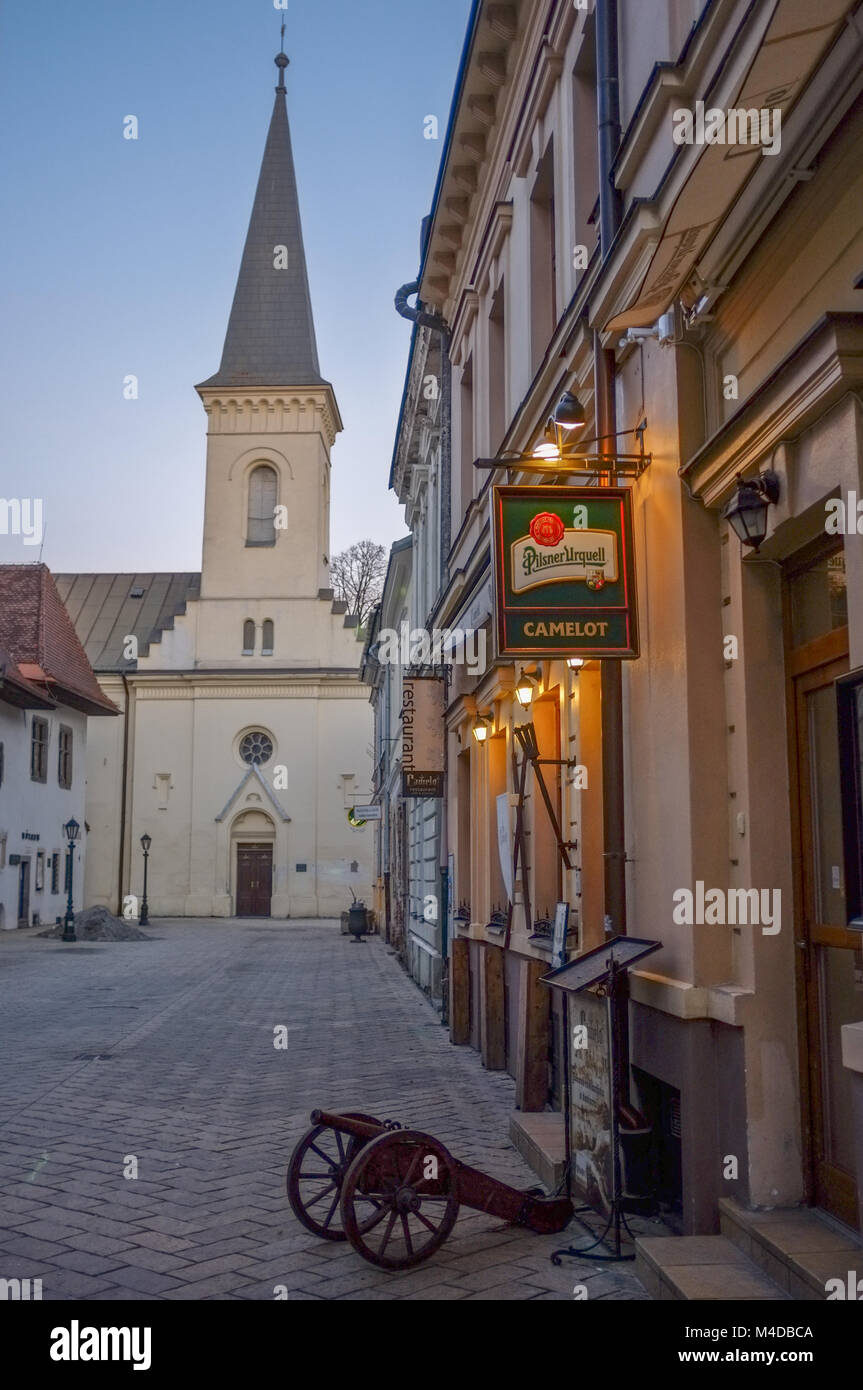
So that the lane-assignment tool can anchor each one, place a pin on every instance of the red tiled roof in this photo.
(37, 632)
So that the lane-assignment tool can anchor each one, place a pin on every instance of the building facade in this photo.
(48, 694)
(246, 733)
(590, 236)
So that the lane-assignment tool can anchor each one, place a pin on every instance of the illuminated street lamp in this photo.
(575, 663)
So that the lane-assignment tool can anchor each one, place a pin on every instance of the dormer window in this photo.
(263, 496)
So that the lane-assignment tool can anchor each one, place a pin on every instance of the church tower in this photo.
(246, 731)
(272, 418)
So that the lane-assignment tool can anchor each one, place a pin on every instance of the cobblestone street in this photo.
(164, 1051)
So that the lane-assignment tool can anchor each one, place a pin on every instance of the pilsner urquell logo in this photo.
(553, 552)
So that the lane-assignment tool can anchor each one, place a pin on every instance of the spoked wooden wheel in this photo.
(315, 1174)
(400, 1199)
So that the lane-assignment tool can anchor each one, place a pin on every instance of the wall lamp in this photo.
(575, 663)
(747, 511)
(524, 688)
(480, 728)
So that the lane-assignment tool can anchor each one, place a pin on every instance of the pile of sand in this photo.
(98, 924)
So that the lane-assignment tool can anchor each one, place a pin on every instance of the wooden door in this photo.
(826, 947)
(254, 880)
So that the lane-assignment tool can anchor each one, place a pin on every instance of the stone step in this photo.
(539, 1138)
(797, 1247)
(701, 1267)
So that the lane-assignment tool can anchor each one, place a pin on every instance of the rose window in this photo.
(256, 748)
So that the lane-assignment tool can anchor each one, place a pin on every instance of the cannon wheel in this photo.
(315, 1175)
(397, 1209)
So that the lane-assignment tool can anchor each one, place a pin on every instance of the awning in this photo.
(795, 40)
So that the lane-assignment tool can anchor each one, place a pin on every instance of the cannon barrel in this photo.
(345, 1124)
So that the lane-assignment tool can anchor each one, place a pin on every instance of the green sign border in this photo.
(558, 598)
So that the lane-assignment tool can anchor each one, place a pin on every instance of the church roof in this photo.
(36, 633)
(271, 333)
(108, 608)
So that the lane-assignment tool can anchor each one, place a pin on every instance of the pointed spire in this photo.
(271, 333)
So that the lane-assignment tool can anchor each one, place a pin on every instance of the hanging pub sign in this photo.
(564, 572)
(422, 736)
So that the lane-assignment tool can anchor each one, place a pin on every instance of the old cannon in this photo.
(395, 1193)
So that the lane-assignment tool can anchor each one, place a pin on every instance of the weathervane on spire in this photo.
(282, 61)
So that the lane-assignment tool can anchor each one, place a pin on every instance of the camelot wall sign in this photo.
(564, 572)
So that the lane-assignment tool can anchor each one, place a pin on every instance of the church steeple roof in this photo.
(271, 332)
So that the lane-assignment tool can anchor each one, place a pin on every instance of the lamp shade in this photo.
(746, 514)
(146, 842)
(72, 830)
(480, 729)
(575, 663)
(569, 412)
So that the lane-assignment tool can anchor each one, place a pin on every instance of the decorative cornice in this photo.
(283, 410)
(825, 366)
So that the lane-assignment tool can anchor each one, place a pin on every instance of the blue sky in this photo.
(120, 257)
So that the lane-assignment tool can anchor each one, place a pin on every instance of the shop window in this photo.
(39, 750)
(267, 640)
(248, 638)
(64, 757)
(819, 599)
(263, 495)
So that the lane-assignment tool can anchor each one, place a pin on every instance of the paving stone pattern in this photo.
(163, 1050)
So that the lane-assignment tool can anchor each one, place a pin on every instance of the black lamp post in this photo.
(144, 920)
(71, 830)
(746, 513)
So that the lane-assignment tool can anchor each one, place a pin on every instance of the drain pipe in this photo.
(613, 790)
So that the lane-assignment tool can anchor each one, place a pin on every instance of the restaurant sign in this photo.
(423, 702)
(564, 572)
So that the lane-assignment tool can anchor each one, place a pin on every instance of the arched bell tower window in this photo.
(263, 495)
(267, 643)
(248, 638)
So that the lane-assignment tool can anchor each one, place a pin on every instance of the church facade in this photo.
(246, 732)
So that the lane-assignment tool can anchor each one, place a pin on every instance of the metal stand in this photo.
(616, 1223)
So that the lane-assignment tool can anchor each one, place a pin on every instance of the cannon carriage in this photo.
(395, 1193)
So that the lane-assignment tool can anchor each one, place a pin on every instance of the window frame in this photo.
(39, 773)
(65, 750)
(263, 466)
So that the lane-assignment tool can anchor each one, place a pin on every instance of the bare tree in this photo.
(357, 577)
